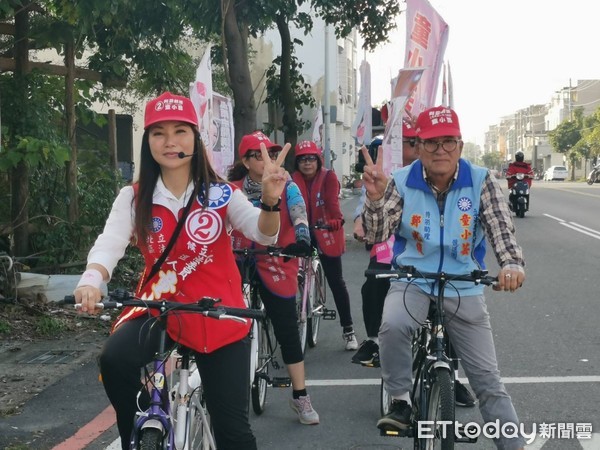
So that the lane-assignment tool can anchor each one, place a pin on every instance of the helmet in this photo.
(519, 156)
(307, 148)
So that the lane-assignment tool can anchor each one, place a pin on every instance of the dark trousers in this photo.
(224, 374)
(332, 267)
(374, 290)
(373, 293)
(282, 313)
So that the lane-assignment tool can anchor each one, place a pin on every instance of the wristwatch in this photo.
(269, 208)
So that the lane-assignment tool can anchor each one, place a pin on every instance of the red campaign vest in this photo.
(331, 243)
(279, 277)
(200, 264)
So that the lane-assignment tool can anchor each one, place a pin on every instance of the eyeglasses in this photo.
(411, 142)
(449, 145)
(307, 158)
(258, 155)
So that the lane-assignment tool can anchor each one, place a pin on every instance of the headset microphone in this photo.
(182, 155)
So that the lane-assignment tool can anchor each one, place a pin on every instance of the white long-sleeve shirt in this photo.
(110, 246)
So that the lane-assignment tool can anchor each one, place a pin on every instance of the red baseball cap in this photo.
(436, 122)
(408, 131)
(253, 141)
(170, 107)
(307, 148)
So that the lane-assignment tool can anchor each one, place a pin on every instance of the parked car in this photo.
(556, 173)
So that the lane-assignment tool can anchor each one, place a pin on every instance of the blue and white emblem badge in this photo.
(219, 195)
(464, 204)
(157, 224)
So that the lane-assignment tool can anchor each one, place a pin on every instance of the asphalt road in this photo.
(546, 336)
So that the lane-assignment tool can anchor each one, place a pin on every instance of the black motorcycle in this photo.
(519, 194)
(594, 175)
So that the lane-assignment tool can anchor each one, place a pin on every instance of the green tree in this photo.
(492, 160)
(565, 139)
(239, 21)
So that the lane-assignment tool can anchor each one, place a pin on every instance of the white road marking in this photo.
(537, 444)
(507, 380)
(555, 218)
(591, 444)
(577, 227)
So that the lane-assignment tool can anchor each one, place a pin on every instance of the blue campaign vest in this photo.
(452, 240)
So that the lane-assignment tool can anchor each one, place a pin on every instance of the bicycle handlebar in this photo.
(271, 251)
(324, 226)
(207, 306)
(410, 272)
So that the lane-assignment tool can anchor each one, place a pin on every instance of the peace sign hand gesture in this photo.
(274, 176)
(374, 179)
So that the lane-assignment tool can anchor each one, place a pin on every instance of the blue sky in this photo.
(505, 55)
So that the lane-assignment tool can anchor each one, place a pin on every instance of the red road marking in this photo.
(98, 425)
(89, 432)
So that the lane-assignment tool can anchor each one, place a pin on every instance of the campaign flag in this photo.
(201, 93)
(450, 89)
(444, 88)
(426, 40)
(221, 134)
(317, 132)
(362, 128)
(407, 82)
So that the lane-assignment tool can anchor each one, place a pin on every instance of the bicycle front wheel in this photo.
(151, 439)
(440, 408)
(302, 313)
(318, 297)
(200, 433)
(261, 376)
(385, 400)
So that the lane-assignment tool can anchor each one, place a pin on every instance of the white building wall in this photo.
(342, 68)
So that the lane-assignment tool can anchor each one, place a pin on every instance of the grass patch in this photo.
(5, 327)
(50, 326)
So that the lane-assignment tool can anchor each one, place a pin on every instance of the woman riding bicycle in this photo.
(278, 279)
(179, 202)
(320, 189)
(441, 208)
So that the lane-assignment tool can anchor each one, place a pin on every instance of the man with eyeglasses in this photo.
(440, 209)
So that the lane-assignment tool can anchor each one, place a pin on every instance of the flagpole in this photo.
(326, 104)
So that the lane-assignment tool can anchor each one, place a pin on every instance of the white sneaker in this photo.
(306, 414)
(351, 342)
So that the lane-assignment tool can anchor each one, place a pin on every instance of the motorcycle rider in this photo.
(519, 166)
(594, 175)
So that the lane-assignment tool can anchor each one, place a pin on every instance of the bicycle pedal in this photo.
(281, 382)
(461, 437)
(329, 314)
(372, 365)
(395, 432)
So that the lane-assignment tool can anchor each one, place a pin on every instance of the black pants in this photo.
(224, 374)
(374, 290)
(373, 293)
(332, 267)
(282, 313)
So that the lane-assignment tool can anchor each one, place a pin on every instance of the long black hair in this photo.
(201, 174)
(237, 172)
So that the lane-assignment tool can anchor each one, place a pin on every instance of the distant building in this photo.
(527, 129)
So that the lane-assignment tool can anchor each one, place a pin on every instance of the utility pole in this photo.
(326, 104)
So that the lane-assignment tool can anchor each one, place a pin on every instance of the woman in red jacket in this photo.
(178, 185)
(278, 279)
(320, 188)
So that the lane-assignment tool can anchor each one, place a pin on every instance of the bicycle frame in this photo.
(158, 414)
(160, 425)
(433, 374)
(263, 353)
(311, 307)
